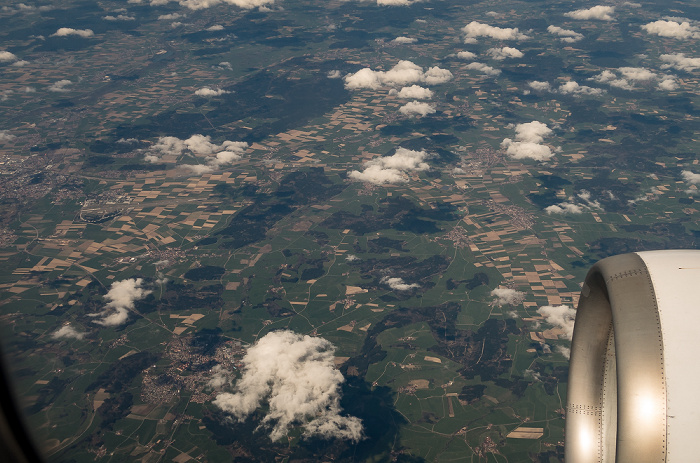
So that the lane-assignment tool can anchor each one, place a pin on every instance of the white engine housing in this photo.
(634, 377)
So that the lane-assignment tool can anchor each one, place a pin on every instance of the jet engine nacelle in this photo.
(634, 375)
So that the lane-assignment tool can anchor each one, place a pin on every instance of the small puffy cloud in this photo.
(67, 332)
(540, 86)
(202, 4)
(669, 84)
(417, 108)
(396, 2)
(295, 376)
(690, 177)
(528, 142)
(679, 61)
(672, 29)
(215, 27)
(598, 12)
(171, 16)
(60, 86)
(507, 296)
(66, 31)
(6, 136)
(404, 73)
(20, 63)
(466, 55)
(483, 68)
(403, 40)
(414, 91)
(475, 29)
(564, 208)
(121, 17)
(208, 91)
(7, 57)
(573, 88)
(504, 53)
(121, 298)
(391, 169)
(334, 74)
(226, 66)
(626, 77)
(565, 35)
(586, 196)
(397, 284)
(561, 316)
(565, 351)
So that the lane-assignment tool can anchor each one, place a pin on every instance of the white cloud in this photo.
(573, 88)
(404, 73)
(504, 53)
(6, 136)
(171, 16)
(20, 63)
(668, 84)
(507, 296)
(207, 91)
(202, 4)
(66, 31)
(67, 331)
(466, 55)
(414, 91)
(7, 57)
(679, 61)
(121, 17)
(397, 284)
(391, 169)
(528, 142)
(540, 86)
(599, 12)
(417, 108)
(295, 376)
(475, 29)
(564, 208)
(225, 65)
(561, 316)
(396, 2)
(565, 35)
(403, 40)
(673, 29)
(483, 68)
(215, 27)
(626, 77)
(121, 298)
(690, 177)
(334, 74)
(216, 156)
(565, 351)
(586, 196)
(220, 377)
(60, 86)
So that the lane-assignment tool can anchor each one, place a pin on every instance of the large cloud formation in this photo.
(216, 156)
(121, 298)
(391, 169)
(565, 35)
(66, 31)
(561, 316)
(672, 29)
(404, 73)
(528, 142)
(598, 12)
(475, 29)
(296, 377)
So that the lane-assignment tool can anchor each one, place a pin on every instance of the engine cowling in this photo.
(634, 374)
